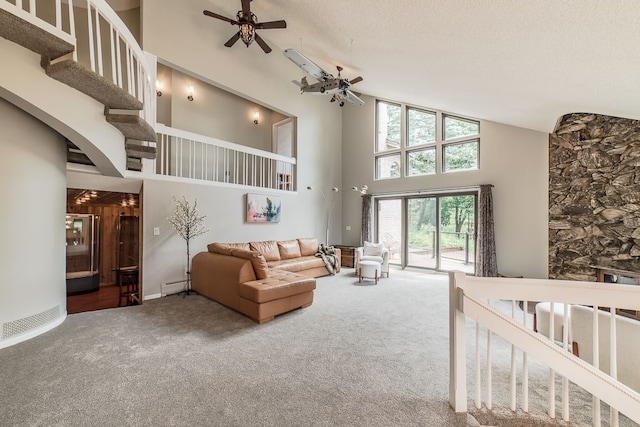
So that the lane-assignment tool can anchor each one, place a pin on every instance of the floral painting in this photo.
(262, 208)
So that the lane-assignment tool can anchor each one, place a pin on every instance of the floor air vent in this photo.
(24, 325)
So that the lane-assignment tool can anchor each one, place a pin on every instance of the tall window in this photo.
(461, 143)
(408, 140)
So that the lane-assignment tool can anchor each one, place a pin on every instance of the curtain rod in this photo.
(433, 191)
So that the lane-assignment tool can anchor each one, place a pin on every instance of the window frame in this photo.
(460, 142)
(404, 150)
(388, 154)
(425, 147)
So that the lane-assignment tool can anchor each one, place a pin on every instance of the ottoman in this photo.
(368, 270)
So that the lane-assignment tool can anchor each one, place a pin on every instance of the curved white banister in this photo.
(467, 299)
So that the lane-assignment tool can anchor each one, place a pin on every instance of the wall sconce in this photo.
(190, 93)
(256, 117)
(158, 88)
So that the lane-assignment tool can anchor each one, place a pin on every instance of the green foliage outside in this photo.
(461, 156)
(457, 128)
(457, 216)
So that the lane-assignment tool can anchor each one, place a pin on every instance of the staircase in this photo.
(122, 88)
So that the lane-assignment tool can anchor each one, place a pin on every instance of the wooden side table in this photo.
(348, 257)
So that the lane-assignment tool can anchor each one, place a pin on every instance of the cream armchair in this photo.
(373, 252)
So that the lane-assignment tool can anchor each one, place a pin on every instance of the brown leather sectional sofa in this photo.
(259, 279)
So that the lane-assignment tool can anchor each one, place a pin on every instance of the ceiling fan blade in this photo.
(262, 44)
(356, 80)
(223, 18)
(246, 8)
(271, 24)
(233, 39)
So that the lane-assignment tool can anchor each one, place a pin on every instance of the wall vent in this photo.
(27, 324)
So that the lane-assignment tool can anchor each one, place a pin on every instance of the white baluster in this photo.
(597, 419)
(512, 377)
(118, 59)
(552, 377)
(112, 39)
(72, 28)
(565, 380)
(92, 56)
(613, 358)
(525, 365)
(59, 14)
(478, 373)
(489, 379)
(99, 43)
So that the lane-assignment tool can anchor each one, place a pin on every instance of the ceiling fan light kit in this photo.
(247, 23)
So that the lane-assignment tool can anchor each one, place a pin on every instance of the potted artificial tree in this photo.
(188, 224)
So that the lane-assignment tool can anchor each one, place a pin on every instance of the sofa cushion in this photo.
(373, 249)
(289, 249)
(219, 248)
(268, 249)
(297, 264)
(244, 246)
(308, 246)
(258, 262)
(281, 284)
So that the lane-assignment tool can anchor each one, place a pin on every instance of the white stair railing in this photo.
(104, 45)
(469, 298)
(188, 155)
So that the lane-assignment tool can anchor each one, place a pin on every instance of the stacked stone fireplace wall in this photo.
(594, 196)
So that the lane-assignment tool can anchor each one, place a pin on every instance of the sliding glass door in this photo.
(422, 226)
(431, 231)
(389, 227)
(457, 231)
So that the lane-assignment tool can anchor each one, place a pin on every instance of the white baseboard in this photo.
(152, 296)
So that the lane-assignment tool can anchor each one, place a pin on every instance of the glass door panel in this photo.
(390, 228)
(456, 237)
(422, 223)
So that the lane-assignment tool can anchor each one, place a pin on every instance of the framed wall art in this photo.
(263, 208)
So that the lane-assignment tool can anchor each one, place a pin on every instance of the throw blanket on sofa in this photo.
(328, 255)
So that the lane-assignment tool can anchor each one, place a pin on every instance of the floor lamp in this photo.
(331, 206)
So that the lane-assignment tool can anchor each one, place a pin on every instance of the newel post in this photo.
(457, 344)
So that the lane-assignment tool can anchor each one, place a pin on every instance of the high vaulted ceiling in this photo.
(520, 62)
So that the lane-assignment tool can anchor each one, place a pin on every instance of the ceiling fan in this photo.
(248, 24)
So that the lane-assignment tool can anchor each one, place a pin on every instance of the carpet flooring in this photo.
(361, 355)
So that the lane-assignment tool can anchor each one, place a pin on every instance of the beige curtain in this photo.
(486, 262)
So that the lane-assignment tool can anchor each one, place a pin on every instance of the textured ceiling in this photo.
(520, 62)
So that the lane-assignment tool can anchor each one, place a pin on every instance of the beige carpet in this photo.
(361, 355)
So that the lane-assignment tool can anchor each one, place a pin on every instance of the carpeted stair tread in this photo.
(139, 151)
(132, 126)
(134, 164)
(32, 37)
(93, 85)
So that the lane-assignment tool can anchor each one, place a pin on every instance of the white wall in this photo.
(514, 160)
(32, 213)
(265, 79)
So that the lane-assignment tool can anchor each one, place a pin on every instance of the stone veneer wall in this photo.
(594, 196)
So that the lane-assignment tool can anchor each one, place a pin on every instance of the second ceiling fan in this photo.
(248, 24)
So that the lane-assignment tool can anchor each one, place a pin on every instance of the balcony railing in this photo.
(482, 300)
(188, 155)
